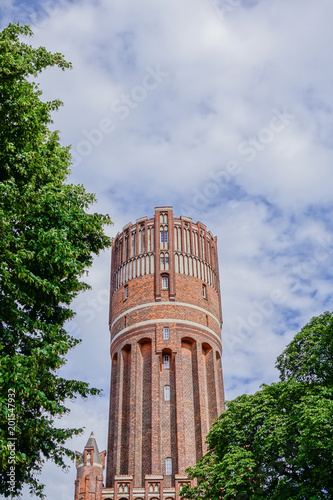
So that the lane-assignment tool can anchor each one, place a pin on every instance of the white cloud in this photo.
(226, 77)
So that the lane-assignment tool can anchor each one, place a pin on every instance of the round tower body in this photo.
(166, 375)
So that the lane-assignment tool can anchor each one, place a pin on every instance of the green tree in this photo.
(278, 443)
(48, 235)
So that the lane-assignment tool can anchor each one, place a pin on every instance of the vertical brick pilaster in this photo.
(172, 272)
(191, 239)
(157, 276)
(133, 408)
(119, 416)
(123, 249)
(218, 289)
(217, 384)
(180, 413)
(155, 412)
(112, 281)
(136, 252)
(138, 420)
(202, 381)
(146, 237)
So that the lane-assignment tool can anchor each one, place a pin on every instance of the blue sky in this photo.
(222, 109)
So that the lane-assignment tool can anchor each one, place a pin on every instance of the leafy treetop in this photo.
(48, 236)
(277, 443)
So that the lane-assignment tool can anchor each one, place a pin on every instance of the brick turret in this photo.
(89, 465)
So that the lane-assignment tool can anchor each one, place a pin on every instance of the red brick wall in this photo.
(146, 371)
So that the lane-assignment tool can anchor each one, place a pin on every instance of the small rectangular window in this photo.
(166, 333)
(204, 291)
(167, 362)
(126, 292)
(166, 393)
(168, 466)
(165, 283)
(164, 236)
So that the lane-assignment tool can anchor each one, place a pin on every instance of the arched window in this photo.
(142, 239)
(166, 262)
(177, 263)
(166, 362)
(150, 240)
(165, 283)
(163, 218)
(168, 466)
(166, 393)
(164, 237)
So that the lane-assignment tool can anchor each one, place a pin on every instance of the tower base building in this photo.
(166, 372)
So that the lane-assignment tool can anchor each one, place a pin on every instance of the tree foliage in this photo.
(278, 443)
(48, 236)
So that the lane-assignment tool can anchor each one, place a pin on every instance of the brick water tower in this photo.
(166, 378)
(166, 374)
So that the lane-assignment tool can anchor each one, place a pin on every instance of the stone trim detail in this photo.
(165, 320)
(165, 303)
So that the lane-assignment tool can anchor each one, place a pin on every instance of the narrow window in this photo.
(167, 262)
(165, 283)
(166, 333)
(204, 291)
(125, 321)
(168, 466)
(126, 292)
(167, 362)
(164, 236)
(166, 393)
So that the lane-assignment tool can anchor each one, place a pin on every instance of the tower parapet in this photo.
(165, 328)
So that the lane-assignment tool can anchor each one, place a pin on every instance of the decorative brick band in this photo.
(165, 320)
(165, 303)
